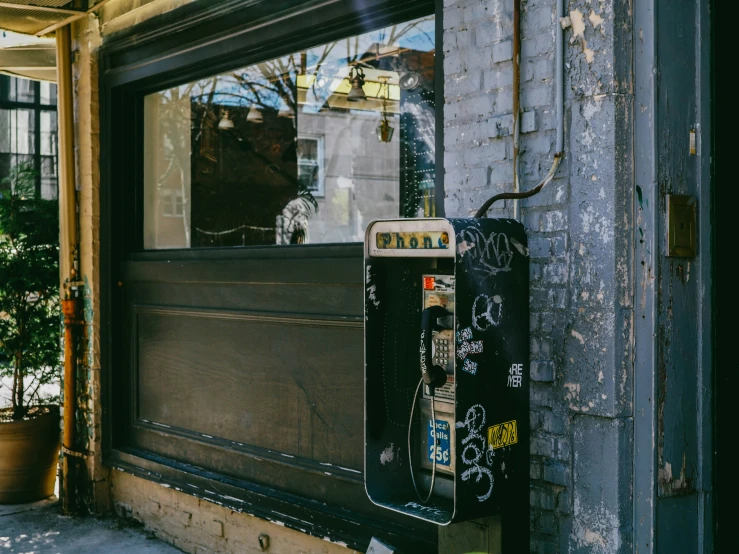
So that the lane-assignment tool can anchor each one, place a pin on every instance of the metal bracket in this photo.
(681, 229)
(74, 453)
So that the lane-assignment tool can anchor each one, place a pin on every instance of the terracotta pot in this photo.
(29, 451)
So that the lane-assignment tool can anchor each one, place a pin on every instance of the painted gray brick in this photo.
(547, 523)
(554, 422)
(556, 273)
(537, 18)
(539, 247)
(563, 449)
(535, 470)
(554, 220)
(454, 16)
(484, 155)
(531, 219)
(499, 78)
(534, 272)
(542, 498)
(536, 94)
(462, 84)
(557, 473)
(534, 322)
(489, 32)
(503, 51)
(528, 122)
(540, 394)
(538, 143)
(563, 502)
(559, 245)
(542, 371)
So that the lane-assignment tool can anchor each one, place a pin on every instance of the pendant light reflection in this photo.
(384, 129)
(225, 124)
(356, 78)
(254, 115)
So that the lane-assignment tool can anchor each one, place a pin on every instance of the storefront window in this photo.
(305, 148)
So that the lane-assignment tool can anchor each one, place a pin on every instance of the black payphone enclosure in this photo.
(489, 261)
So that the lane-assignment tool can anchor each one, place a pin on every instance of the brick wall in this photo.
(579, 242)
(198, 526)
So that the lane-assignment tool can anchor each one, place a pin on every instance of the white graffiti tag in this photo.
(371, 289)
(486, 311)
(475, 450)
(493, 254)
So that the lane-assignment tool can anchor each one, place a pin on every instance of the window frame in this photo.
(320, 140)
(194, 41)
(37, 108)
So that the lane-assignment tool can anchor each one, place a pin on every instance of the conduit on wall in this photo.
(68, 262)
(559, 100)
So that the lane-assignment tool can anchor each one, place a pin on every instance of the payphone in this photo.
(446, 370)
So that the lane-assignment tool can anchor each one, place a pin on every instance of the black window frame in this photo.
(37, 107)
(198, 40)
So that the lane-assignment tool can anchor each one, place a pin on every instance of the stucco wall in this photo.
(579, 241)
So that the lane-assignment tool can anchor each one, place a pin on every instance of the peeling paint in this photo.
(595, 19)
(578, 24)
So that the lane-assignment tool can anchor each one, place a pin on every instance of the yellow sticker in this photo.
(503, 434)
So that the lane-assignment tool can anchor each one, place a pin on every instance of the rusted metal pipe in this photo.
(72, 321)
(68, 262)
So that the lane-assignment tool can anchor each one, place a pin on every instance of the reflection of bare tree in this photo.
(272, 87)
(175, 110)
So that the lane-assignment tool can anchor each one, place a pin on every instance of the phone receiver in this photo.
(433, 375)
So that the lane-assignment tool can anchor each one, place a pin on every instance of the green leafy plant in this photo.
(29, 290)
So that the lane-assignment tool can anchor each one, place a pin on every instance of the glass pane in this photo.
(48, 178)
(21, 90)
(306, 148)
(17, 131)
(48, 93)
(48, 133)
(5, 140)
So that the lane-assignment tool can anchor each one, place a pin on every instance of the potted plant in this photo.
(30, 322)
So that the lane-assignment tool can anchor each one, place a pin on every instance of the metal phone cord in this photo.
(410, 454)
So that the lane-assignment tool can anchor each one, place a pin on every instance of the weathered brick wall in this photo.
(197, 526)
(579, 240)
(85, 43)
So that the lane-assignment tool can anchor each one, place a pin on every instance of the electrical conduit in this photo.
(559, 101)
(68, 259)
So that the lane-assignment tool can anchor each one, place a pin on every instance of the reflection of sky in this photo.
(231, 90)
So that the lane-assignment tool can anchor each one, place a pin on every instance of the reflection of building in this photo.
(283, 156)
(28, 130)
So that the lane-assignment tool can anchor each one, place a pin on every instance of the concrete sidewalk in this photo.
(40, 528)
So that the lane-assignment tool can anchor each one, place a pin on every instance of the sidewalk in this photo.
(40, 528)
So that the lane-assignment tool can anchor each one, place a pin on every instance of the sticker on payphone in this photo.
(443, 449)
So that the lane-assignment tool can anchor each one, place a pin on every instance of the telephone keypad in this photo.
(443, 351)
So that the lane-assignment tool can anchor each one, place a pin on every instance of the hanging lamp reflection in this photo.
(254, 115)
(356, 78)
(384, 130)
(225, 124)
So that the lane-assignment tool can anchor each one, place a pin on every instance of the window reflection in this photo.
(306, 148)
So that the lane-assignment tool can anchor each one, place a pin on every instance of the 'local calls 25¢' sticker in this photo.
(443, 452)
